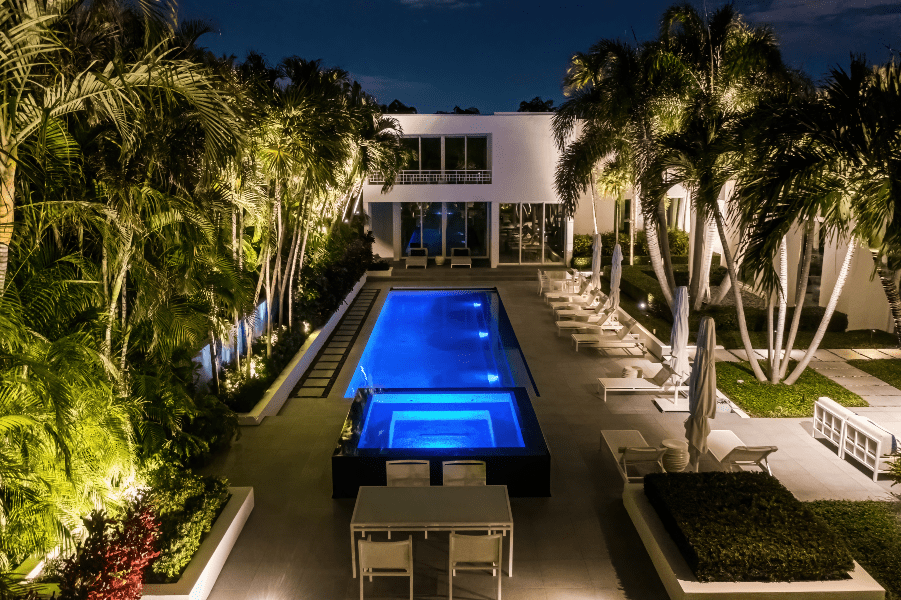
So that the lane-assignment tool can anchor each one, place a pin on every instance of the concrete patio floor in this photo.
(577, 544)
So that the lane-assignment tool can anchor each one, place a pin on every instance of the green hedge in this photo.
(187, 505)
(872, 532)
(760, 399)
(745, 527)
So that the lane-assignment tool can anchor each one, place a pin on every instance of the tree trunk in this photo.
(699, 233)
(800, 292)
(783, 306)
(725, 287)
(268, 286)
(736, 291)
(250, 324)
(887, 279)
(286, 278)
(7, 212)
(594, 212)
(830, 308)
(704, 274)
(663, 243)
(656, 261)
(299, 260)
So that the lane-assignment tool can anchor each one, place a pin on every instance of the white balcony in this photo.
(427, 177)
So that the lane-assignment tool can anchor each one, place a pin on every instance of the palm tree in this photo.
(833, 157)
(723, 68)
(613, 104)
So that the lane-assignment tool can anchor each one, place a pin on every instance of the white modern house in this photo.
(486, 182)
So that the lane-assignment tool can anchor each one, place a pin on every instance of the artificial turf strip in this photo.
(872, 532)
(888, 370)
(745, 527)
(760, 399)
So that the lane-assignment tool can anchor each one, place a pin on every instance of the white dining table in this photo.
(433, 508)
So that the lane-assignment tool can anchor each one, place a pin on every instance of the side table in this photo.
(676, 457)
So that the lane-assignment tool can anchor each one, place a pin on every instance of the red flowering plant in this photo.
(110, 564)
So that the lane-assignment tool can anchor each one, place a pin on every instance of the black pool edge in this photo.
(525, 471)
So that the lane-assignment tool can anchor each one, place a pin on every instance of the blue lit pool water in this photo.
(436, 339)
(436, 419)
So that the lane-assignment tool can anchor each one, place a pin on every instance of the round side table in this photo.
(676, 457)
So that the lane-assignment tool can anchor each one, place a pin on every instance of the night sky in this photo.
(491, 54)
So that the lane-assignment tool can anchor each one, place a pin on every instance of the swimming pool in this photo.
(438, 339)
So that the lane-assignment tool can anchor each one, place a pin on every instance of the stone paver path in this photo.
(579, 543)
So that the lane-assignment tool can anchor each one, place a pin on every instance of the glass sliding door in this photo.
(554, 233)
(410, 225)
(509, 235)
(477, 228)
(532, 232)
(431, 227)
(455, 233)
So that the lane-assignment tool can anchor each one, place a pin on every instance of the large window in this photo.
(444, 159)
(441, 227)
(531, 233)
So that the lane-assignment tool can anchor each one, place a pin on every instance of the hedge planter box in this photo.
(277, 394)
(200, 575)
(681, 584)
(380, 273)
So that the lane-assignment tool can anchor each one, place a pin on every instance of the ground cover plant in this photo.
(871, 530)
(759, 399)
(888, 370)
(745, 527)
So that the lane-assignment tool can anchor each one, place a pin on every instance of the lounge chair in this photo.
(460, 258)
(603, 321)
(634, 458)
(419, 257)
(728, 449)
(661, 382)
(584, 312)
(624, 338)
(588, 303)
(561, 296)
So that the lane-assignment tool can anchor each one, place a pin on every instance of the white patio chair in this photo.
(385, 559)
(661, 382)
(474, 553)
(407, 473)
(419, 257)
(624, 338)
(464, 472)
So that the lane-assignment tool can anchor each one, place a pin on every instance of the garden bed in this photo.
(199, 577)
(275, 397)
(681, 584)
(759, 399)
(872, 532)
(888, 370)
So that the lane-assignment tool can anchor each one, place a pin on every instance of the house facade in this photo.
(486, 182)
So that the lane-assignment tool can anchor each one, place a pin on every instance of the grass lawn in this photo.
(737, 381)
(871, 531)
(888, 370)
(860, 338)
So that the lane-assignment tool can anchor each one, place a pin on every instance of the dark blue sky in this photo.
(491, 54)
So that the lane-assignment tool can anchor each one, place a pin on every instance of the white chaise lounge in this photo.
(728, 449)
(460, 258)
(661, 382)
(624, 338)
(634, 458)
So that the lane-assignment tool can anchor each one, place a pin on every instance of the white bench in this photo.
(630, 450)
(869, 444)
(728, 449)
(829, 418)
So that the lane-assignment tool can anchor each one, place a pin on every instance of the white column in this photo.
(495, 237)
(398, 249)
(568, 244)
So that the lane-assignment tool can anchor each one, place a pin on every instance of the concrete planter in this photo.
(275, 397)
(379, 274)
(200, 576)
(680, 582)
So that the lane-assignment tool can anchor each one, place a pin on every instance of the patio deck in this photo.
(579, 543)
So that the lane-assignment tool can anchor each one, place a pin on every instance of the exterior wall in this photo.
(862, 299)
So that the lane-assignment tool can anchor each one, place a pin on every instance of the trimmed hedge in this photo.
(872, 532)
(745, 527)
(760, 399)
(186, 505)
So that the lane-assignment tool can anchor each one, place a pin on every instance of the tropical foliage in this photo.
(153, 196)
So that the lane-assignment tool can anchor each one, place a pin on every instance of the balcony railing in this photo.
(426, 177)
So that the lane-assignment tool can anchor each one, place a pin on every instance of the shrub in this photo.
(186, 505)
(678, 242)
(760, 399)
(583, 245)
(872, 532)
(745, 527)
(214, 423)
(110, 564)
(379, 264)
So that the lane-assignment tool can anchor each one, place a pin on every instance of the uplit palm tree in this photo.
(724, 68)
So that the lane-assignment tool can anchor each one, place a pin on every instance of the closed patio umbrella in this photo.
(678, 339)
(701, 392)
(596, 263)
(616, 272)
